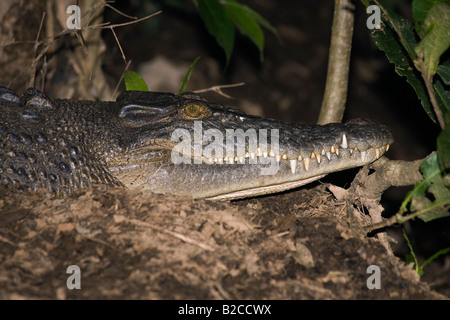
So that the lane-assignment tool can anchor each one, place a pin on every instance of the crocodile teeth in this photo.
(344, 142)
(278, 158)
(306, 162)
(337, 151)
(328, 155)
(252, 155)
(313, 155)
(284, 157)
(363, 155)
(258, 152)
(300, 158)
(318, 157)
(246, 155)
(377, 153)
(265, 154)
(332, 149)
(271, 153)
(241, 159)
(351, 151)
(293, 164)
(387, 147)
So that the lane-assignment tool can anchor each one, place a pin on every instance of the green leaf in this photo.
(440, 206)
(396, 39)
(257, 17)
(402, 28)
(443, 146)
(444, 71)
(133, 81)
(419, 189)
(218, 24)
(442, 95)
(436, 38)
(429, 169)
(245, 23)
(188, 76)
(409, 258)
(420, 10)
(431, 210)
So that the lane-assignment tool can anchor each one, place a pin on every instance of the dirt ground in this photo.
(133, 245)
(295, 245)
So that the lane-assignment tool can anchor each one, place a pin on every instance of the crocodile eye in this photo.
(193, 110)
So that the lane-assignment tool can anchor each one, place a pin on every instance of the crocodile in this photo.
(170, 144)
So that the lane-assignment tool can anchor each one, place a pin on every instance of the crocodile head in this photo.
(170, 144)
(182, 144)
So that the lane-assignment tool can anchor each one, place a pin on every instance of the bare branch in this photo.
(118, 43)
(103, 26)
(333, 104)
(367, 189)
(120, 80)
(119, 12)
(218, 89)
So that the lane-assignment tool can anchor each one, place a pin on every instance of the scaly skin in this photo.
(137, 141)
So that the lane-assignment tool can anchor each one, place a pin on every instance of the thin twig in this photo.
(82, 41)
(120, 80)
(118, 43)
(102, 26)
(99, 4)
(119, 12)
(219, 87)
(35, 48)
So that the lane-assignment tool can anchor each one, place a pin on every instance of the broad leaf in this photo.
(444, 71)
(442, 95)
(436, 37)
(133, 81)
(245, 23)
(398, 49)
(218, 24)
(443, 146)
(440, 206)
(420, 10)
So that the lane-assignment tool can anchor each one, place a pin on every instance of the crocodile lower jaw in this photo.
(263, 190)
